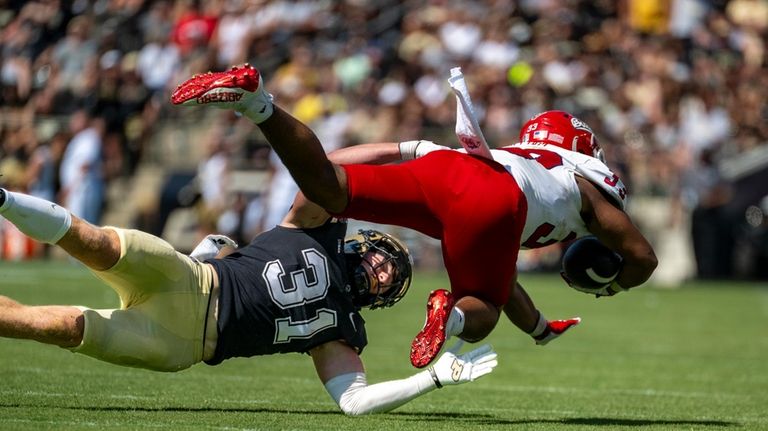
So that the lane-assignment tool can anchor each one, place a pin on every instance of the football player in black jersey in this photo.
(296, 288)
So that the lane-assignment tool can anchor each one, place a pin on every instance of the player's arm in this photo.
(615, 229)
(384, 152)
(523, 313)
(341, 371)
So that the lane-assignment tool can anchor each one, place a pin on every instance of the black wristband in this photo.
(434, 377)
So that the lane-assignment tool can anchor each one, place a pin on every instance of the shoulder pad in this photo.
(603, 178)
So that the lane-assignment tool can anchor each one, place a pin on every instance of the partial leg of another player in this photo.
(242, 89)
(47, 222)
(470, 318)
(60, 325)
(44, 221)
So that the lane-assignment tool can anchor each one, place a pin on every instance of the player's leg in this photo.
(97, 247)
(50, 324)
(302, 153)
(45, 221)
(480, 317)
(469, 318)
(482, 211)
(242, 89)
(164, 307)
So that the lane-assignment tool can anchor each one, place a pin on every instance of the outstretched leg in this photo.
(322, 181)
(51, 324)
(241, 89)
(44, 221)
(96, 247)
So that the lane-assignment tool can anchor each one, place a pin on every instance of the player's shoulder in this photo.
(589, 168)
(603, 178)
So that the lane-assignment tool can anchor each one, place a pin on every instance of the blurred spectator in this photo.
(194, 26)
(212, 181)
(42, 173)
(157, 61)
(673, 88)
(712, 228)
(82, 182)
(232, 32)
(72, 54)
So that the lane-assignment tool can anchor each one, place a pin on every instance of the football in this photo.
(589, 264)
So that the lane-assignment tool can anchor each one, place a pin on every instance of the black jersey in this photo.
(286, 292)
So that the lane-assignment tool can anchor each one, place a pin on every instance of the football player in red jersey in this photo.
(551, 187)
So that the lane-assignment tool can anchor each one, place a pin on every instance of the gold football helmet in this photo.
(393, 256)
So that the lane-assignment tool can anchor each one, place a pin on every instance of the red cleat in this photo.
(430, 340)
(239, 89)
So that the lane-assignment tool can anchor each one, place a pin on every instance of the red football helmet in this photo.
(562, 129)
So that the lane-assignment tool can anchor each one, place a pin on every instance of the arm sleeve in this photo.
(355, 397)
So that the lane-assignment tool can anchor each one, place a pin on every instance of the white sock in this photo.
(262, 108)
(455, 323)
(36, 218)
(541, 326)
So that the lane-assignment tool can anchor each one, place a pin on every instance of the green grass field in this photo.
(695, 358)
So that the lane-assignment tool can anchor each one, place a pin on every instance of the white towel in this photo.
(467, 128)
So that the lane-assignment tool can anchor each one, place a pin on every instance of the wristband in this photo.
(408, 149)
(434, 377)
(541, 327)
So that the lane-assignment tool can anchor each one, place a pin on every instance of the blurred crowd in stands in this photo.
(676, 91)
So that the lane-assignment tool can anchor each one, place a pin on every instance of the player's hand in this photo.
(556, 328)
(453, 369)
(210, 247)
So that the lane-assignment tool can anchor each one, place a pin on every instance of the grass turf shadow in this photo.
(469, 418)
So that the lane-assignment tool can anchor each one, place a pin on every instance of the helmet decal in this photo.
(578, 124)
(561, 129)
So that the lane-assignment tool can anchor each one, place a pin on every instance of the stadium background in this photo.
(675, 90)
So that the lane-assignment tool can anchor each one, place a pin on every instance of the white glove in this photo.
(410, 150)
(210, 246)
(451, 369)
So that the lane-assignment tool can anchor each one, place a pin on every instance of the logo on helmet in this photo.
(578, 124)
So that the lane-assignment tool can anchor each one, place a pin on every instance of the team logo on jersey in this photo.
(578, 124)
